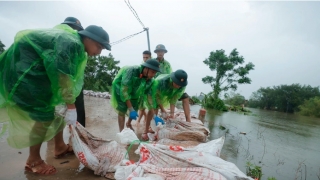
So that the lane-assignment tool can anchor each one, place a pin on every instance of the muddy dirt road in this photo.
(101, 121)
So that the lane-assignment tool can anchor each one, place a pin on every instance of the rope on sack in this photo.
(129, 148)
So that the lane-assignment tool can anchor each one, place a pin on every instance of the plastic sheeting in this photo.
(41, 69)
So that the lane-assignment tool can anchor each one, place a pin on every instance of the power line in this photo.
(134, 12)
(137, 17)
(126, 38)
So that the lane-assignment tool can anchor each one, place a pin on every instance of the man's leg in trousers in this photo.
(81, 115)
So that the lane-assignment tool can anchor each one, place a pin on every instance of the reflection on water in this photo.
(287, 146)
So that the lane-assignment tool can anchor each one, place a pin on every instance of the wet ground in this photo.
(101, 121)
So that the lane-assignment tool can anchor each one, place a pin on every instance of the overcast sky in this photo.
(282, 39)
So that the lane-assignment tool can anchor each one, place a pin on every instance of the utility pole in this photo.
(147, 29)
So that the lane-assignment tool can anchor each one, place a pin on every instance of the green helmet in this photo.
(160, 47)
(98, 34)
(180, 77)
(152, 64)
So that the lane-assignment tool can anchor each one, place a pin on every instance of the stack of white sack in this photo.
(104, 95)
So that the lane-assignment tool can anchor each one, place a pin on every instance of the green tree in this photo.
(311, 107)
(195, 99)
(2, 47)
(229, 71)
(209, 102)
(235, 99)
(100, 72)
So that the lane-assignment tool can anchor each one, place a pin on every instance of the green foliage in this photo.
(311, 107)
(100, 72)
(209, 102)
(195, 99)
(238, 108)
(286, 98)
(235, 99)
(253, 170)
(2, 47)
(229, 73)
(271, 178)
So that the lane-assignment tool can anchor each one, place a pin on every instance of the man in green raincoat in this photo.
(165, 68)
(142, 109)
(128, 86)
(165, 90)
(41, 69)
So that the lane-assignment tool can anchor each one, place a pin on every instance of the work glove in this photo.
(71, 117)
(158, 120)
(133, 114)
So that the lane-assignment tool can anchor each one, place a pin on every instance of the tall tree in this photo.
(229, 71)
(100, 72)
(2, 47)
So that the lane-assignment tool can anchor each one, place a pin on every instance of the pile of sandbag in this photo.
(175, 162)
(104, 95)
(157, 161)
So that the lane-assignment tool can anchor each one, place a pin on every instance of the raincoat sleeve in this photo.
(177, 95)
(65, 68)
(126, 84)
(153, 95)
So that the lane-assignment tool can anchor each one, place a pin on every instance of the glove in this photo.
(71, 117)
(158, 120)
(133, 114)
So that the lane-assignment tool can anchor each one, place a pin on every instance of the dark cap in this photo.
(179, 77)
(152, 64)
(98, 34)
(160, 47)
(74, 22)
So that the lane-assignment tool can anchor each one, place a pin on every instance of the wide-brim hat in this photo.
(160, 47)
(98, 34)
(180, 77)
(73, 21)
(152, 64)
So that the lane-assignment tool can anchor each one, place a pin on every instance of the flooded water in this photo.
(286, 146)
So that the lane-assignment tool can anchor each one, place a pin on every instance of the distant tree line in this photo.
(285, 98)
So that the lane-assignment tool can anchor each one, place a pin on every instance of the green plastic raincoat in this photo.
(128, 85)
(41, 69)
(162, 92)
(165, 68)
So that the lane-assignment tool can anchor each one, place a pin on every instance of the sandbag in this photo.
(101, 156)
